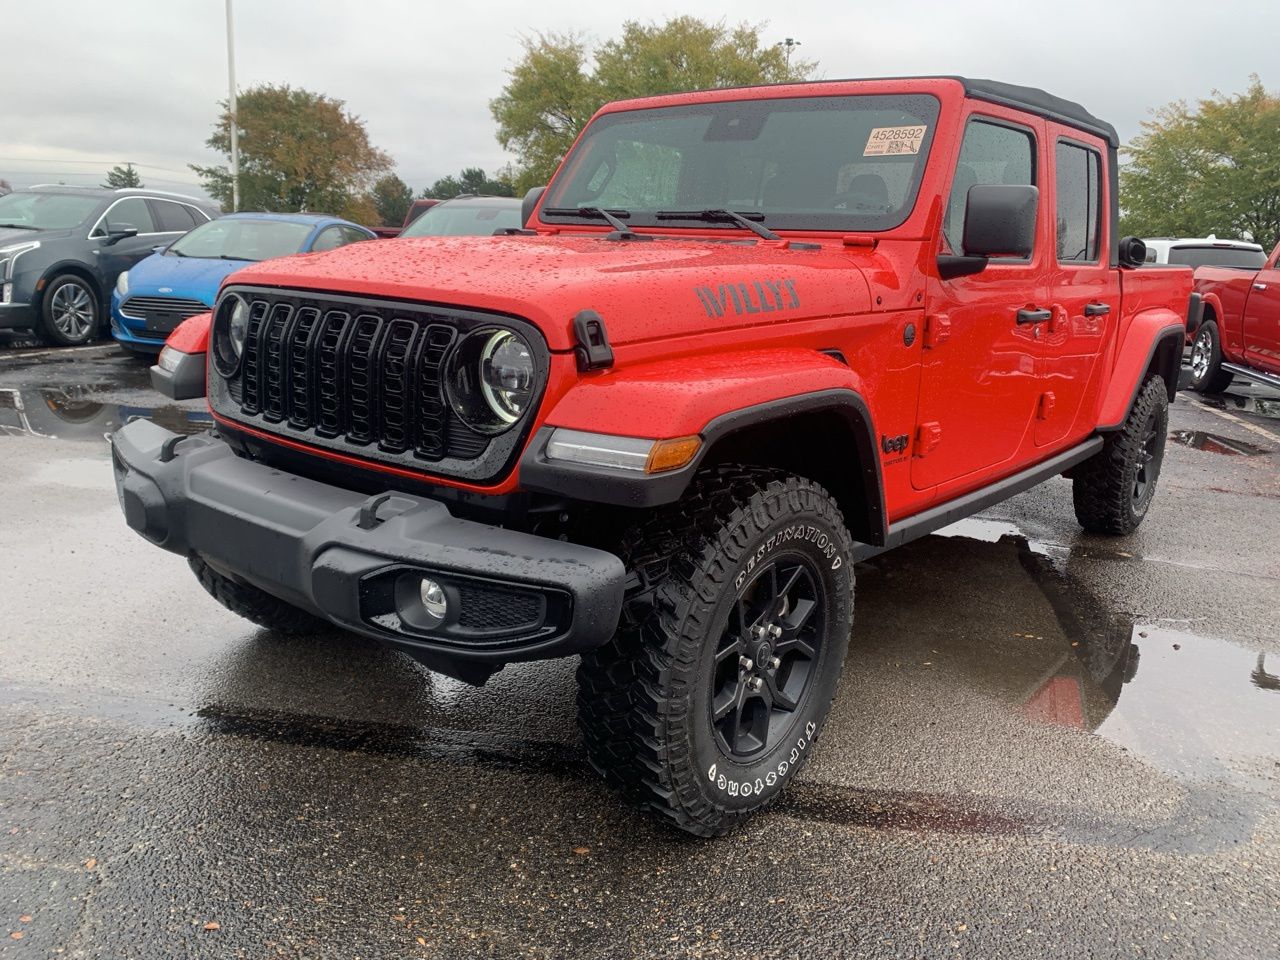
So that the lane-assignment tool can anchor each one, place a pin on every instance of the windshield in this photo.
(465, 219)
(235, 239)
(46, 211)
(808, 163)
(1217, 257)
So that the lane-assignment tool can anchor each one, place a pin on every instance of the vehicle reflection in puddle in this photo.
(72, 413)
(1215, 443)
(1192, 706)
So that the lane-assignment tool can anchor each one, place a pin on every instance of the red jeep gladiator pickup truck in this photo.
(745, 338)
(1239, 334)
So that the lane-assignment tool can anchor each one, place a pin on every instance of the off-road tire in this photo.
(61, 293)
(254, 604)
(644, 698)
(1113, 489)
(1206, 357)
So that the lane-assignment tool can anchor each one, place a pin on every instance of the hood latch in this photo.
(593, 350)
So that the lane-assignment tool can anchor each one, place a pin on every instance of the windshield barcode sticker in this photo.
(886, 141)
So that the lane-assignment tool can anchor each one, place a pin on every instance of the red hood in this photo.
(643, 290)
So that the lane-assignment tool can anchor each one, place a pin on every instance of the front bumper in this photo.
(13, 315)
(348, 557)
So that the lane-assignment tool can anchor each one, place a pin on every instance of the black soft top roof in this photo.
(1037, 101)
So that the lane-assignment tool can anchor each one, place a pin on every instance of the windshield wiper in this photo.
(227, 256)
(175, 253)
(744, 220)
(621, 230)
(19, 226)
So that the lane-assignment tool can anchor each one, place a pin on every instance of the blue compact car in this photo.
(182, 280)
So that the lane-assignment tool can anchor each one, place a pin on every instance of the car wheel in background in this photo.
(70, 311)
(1207, 375)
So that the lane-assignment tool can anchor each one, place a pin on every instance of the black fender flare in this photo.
(603, 485)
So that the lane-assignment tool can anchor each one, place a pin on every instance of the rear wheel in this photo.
(1207, 375)
(1113, 489)
(254, 604)
(710, 697)
(69, 311)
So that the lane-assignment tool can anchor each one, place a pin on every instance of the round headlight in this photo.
(506, 375)
(238, 326)
(230, 328)
(491, 380)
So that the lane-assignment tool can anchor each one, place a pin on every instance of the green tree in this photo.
(553, 90)
(1212, 168)
(392, 198)
(119, 177)
(299, 151)
(471, 180)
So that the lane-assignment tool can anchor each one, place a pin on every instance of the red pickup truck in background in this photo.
(1239, 335)
(416, 209)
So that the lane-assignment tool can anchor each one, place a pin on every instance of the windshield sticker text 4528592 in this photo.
(758, 296)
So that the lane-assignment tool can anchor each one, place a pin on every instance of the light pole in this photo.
(231, 109)
(787, 46)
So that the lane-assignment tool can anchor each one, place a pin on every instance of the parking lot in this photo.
(1045, 744)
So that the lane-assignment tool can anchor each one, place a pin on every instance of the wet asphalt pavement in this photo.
(1045, 744)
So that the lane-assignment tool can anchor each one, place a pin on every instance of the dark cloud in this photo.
(139, 81)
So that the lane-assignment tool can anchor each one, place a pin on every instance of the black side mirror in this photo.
(529, 204)
(1133, 252)
(999, 221)
(118, 232)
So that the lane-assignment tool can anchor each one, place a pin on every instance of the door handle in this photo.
(1034, 316)
(1097, 309)
(1259, 286)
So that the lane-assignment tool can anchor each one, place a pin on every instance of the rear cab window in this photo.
(1077, 203)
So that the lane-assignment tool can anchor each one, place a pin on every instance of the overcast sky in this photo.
(90, 84)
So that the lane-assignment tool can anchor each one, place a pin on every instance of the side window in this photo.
(329, 239)
(991, 154)
(132, 212)
(351, 235)
(172, 217)
(1078, 219)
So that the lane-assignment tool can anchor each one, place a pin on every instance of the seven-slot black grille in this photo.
(363, 374)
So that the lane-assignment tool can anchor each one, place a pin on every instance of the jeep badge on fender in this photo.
(659, 435)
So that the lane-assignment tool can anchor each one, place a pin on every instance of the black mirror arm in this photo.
(951, 265)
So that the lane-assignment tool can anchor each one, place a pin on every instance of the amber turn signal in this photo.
(672, 454)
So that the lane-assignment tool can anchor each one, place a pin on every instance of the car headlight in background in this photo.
(230, 329)
(122, 283)
(10, 254)
(491, 379)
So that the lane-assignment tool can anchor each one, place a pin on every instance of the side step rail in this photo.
(1257, 376)
(935, 518)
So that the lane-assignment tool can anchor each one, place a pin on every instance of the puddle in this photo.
(1199, 708)
(1216, 443)
(72, 413)
(1196, 707)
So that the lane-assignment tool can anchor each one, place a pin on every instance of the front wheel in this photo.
(1113, 489)
(710, 697)
(253, 604)
(69, 312)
